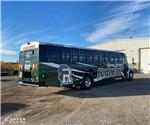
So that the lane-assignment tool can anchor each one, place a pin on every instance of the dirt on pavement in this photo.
(115, 103)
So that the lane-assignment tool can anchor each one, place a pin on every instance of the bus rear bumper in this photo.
(28, 84)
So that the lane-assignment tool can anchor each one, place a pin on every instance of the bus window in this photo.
(125, 59)
(31, 56)
(65, 55)
(111, 56)
(95, 57)
(116, 58)
(106, 57)
(120, 59)
(53, 54)
(101, 57)
(89, 56)
(75, 56)
(43, 53)
(82, 55)
(35, 56)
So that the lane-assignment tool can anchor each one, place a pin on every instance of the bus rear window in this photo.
(30, 56)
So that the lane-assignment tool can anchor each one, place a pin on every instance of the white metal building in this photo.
(137, 51)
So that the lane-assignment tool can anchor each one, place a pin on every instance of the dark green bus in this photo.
(44, 64)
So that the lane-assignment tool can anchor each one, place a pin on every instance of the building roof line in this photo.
(120, 40)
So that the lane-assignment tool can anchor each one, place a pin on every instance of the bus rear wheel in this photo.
(87, 83)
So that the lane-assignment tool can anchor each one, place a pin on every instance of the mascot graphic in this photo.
(65, 74)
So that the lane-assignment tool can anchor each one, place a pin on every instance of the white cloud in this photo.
(111, 27)
(21, 36)
(106, 29)
(47, 38)
(7, 52)
(120, 20)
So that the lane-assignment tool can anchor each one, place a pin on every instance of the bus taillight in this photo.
(34, 66)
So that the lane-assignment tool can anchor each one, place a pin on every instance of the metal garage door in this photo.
(145, 60)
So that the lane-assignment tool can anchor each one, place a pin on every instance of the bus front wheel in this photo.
(131, 75)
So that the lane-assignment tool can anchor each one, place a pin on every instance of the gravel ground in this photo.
(116, 103)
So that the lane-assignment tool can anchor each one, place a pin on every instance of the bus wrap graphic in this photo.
(65, 74)
(108, 72)
(104, 73)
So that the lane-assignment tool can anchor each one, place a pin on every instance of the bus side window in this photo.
(43, 53)
(116, 58)
(120, 59)
(53, 54)
(75, 55)
(95, 57)
(106, 57)
(112, 60)
(82, 55)
(65, 55)
(89, 56)
(68, 57)
(125, 59)
(101, 57)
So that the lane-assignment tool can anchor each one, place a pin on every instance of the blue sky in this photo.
(70, 23)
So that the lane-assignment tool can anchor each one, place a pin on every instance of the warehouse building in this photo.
(137, 51)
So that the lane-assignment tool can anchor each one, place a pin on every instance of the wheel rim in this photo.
(88, 82)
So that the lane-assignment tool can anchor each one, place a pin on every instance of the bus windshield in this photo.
(30, 56)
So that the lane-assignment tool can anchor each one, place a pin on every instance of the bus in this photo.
(45, 64)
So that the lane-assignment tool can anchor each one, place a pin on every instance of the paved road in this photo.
(117, 103)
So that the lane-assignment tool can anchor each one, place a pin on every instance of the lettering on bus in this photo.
(29, 47)
(108, 72)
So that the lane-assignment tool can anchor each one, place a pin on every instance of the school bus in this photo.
(45, 64)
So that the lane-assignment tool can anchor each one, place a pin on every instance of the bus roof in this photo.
(67, 46)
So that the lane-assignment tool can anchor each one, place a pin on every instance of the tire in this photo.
(87, 83)
(131, 75)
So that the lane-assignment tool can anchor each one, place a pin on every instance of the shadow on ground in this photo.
(11, 107)
(6, 80)
(117, 88)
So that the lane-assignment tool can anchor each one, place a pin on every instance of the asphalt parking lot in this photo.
(115, 103)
